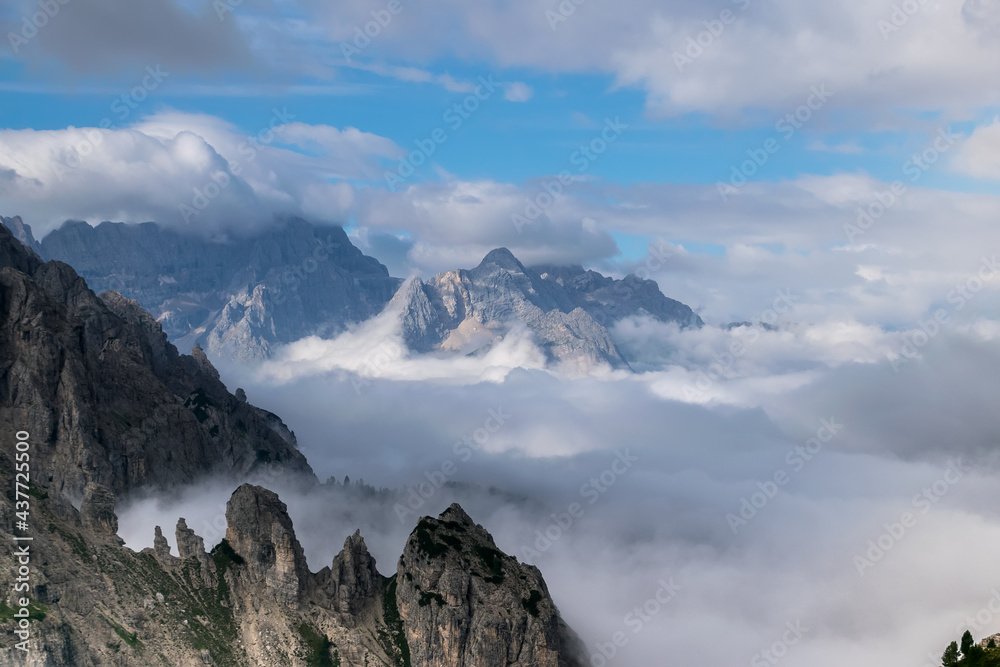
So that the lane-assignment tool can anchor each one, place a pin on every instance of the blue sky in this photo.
(885, 95)
(510, 141)
(864, 288)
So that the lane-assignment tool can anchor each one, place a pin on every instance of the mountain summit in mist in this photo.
(107, 408)
(242, 297)
(567, 308)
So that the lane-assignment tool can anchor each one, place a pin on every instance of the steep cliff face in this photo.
(107, 399)
(568, 309)
(22, 232)
(608, 300)
(455, 599)
(238, 297)
(252, 601)
(111, 407)
(242, 297)
(464, 603)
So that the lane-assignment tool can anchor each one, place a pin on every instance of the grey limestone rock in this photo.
(107, 399)
(239, 296)
(98, 510)
(464, 603)
(568, 310)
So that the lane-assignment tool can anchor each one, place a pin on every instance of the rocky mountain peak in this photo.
(200, 358)
(13, 253)
(569, 310)
(353, 581)
(457, 592)
(107, 398)
(503, 258)
(260, 532)
(240, 296)
(161, 548)
(22, 232)
(455, 514)
(191, 546)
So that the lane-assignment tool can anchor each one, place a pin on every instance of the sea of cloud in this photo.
(826, 479)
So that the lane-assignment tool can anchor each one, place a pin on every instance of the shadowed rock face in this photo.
(260, 531)
(242, 297)
(98, 510)
(455, 599)
(107, 399)
(353, 581)
(111, 407)
(238, 297)
(464, 603)
(568, 309)
(22, 232)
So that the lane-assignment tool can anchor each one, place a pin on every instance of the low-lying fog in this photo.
(805, 500)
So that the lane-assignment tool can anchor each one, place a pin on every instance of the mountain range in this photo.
(106, 407)
(243, 297)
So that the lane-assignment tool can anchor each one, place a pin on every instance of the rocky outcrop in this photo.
(608, 300)
(281, 605)
(455, 599)
(22, 232)
(98, 510)
(161, 548)
(107, 399)
(192, 547)
(260, 531)
(353, 582)
(464, 603)
(239, 297)
(568, 310)
(421, 323)
(111, 407)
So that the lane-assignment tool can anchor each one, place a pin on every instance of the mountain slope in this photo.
(253, 601)
(110, 408)
(106, 398)
(568, 309)
(238, 297)
(241, 298)
(22, 232)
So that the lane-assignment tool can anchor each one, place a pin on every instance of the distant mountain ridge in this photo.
(95, 380)
(568, 309)
(105, 407)
(240, 298)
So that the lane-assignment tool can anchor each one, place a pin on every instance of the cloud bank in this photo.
(833, 501)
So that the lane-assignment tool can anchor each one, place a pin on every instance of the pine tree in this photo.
(967, 644)
(950, 657)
